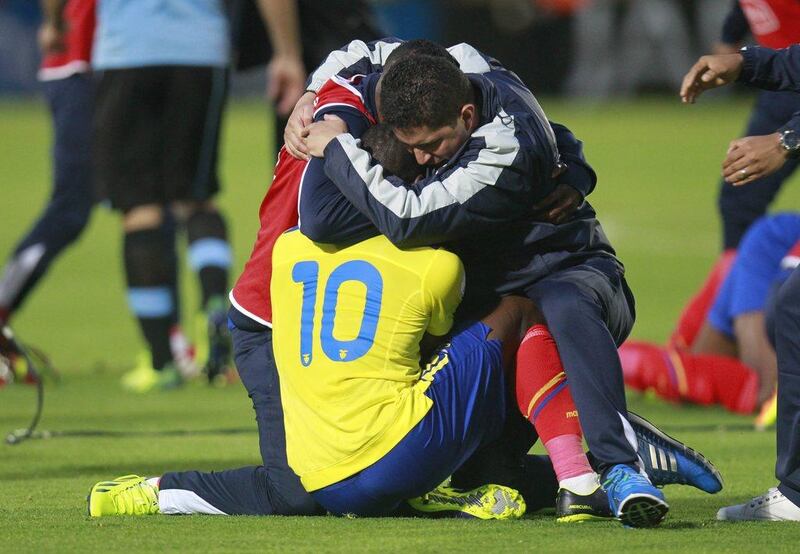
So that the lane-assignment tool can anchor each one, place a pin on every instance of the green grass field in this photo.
(658, 163)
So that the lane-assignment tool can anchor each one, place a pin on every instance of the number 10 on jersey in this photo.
(307, 273)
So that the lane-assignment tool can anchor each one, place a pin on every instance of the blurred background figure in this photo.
(65, 39)
(774, 24)
(731, 361)
(292, 37)
(585, 48)
(156, 132)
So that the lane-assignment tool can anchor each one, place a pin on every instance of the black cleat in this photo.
(572, 507)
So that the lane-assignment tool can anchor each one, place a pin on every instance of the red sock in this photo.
(733, 384)
(698, 378)
(544, 398)
(636, 357)
(695, 312)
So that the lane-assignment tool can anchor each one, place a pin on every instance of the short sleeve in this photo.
(443, 289)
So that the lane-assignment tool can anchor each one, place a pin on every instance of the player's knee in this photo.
(564, 304)
(141, 218)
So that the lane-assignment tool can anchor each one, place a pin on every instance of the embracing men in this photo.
(493, 156)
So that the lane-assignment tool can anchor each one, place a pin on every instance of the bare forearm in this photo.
(53, 12)
(283, 25)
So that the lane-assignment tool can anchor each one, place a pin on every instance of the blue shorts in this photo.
(755, 270)
(469, 407)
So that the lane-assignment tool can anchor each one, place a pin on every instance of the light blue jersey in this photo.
(136, 33)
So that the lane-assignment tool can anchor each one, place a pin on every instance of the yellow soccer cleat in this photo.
(129, 495)
(768, 415)
(143, 378)
(485, 502)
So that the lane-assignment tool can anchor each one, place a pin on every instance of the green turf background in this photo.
(658, 165)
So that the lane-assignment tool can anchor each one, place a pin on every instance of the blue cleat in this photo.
(668, 461)
(633, 499)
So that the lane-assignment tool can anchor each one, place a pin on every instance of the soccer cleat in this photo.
(667, 461)
(127, 495)
(485, 502)
(769, 413)
(144, 378)
(771, 506)
(572, 507)
(633, 499)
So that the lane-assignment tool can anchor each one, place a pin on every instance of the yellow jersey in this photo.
(347, 323)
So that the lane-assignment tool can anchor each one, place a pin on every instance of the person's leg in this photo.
(505, 461)
(783, 503)
(210, 257)
(269, 489)
(467, 390)
(151, 274)
(709, 372)
(195, 101)
(68, 209)
(541, 393)
(128, 149)
(787, 335)
(589, 310)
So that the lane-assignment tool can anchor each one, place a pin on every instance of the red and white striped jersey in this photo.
(279, 211)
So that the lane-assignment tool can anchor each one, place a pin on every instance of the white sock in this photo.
(582, 484)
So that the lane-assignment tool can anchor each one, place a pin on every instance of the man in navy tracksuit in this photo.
(493, 155)
(761, 156)
(740, 207)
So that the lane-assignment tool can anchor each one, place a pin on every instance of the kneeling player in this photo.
(730, 360)
(255, 490)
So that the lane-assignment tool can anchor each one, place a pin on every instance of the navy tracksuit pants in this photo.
(268, 489)
(741, 206)
(274, 489)
(590, 310)
(787, 344)
(67, 212)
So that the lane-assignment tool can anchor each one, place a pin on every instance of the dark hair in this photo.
(393, 155)
(418, 47)
(423, 91)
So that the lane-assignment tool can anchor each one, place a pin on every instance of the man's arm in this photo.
(325, 215)
(771, 69)
(760, 67)
(357, 57)
(360, 57)
(285, 73)
(755, 157)
(486, 186)
(576, 179)
(51, 32)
